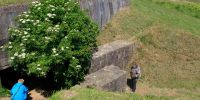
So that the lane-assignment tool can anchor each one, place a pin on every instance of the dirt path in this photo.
(36, 95)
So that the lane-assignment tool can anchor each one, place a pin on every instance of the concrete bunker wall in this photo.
(100, 11)
(117, 53)
(107, 66)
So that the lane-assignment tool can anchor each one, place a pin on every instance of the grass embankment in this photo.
(77, 93)
(8, 2)
(169, 37)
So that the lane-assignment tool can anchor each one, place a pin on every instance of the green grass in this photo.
(170, 54)
(78, 93)
(169, 43)
(8, 2)
(4, 92)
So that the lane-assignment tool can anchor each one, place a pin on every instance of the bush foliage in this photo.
(53, 36)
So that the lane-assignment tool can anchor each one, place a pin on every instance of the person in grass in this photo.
(135, 75)
(19, 91)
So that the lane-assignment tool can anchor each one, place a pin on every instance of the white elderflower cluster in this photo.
(35, 22)
(56, 28)
(39, 69)
(78, 66)
(55, 52)
(25, 36)
(47, 19)
(22, 55)
(47, 38)
(36, 3)
(51, 15)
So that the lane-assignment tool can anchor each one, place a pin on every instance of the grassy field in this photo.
(77, 93)
(8, 2)
(168, 35)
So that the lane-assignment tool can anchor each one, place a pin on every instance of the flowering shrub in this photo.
(53, 36)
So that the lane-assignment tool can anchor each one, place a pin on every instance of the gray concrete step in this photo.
(110, 78)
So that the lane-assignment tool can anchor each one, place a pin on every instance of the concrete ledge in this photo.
(109, 78)
(117, 53)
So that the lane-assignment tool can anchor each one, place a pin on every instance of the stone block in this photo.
(110, 78)
(117, 53)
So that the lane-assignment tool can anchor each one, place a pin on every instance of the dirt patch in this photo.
(4, 98)
(36, 95)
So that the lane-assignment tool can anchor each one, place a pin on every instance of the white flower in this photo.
(56, 25)
(54, 50)
(1, 47)
(78, 66)
(43, 73)
(53, 9)
(39, 8)
(56, 54)
(48, 38)
(28, 29)
(51, 6)
(21, 44)
(25, 39)
(16, 54)
(23, 21)
(23, 55)
(12, 58)
(38, 64)
(37, 21)
(73, 57)
(28, 36)
(46, 19)
(26, 15)
(39, 68)
(9, 42)
(10, 47)
(67, 47)
(23, 50)
(32, 53)
(25, 32)
(20, 20)
(49, 15)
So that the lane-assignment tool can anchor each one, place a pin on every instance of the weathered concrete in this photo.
(100, 11)
(110, 78)
(7, 15)
(3, 60)
(117, 53)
